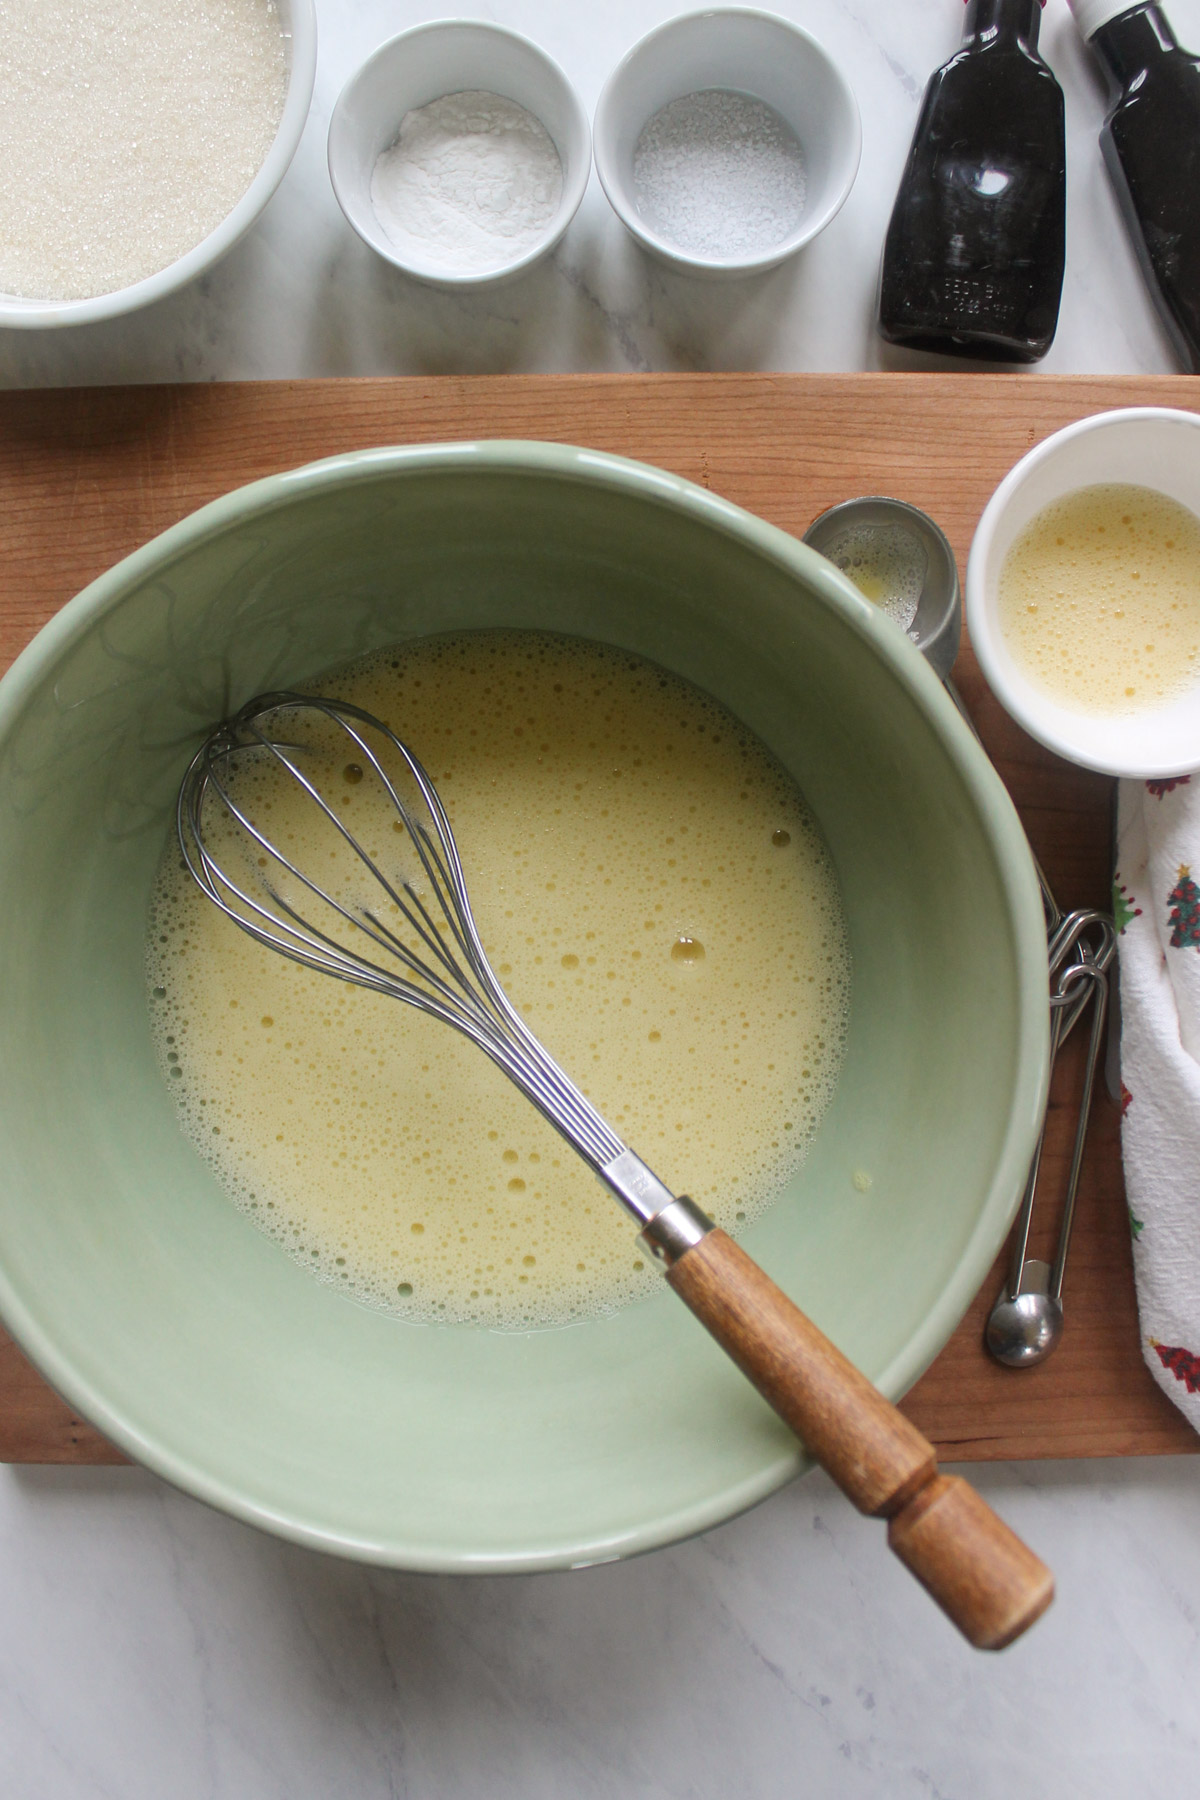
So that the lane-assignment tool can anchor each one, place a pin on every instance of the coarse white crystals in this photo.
(719, 174)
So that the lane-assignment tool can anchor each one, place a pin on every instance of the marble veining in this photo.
(151, 1647)
(301, 295)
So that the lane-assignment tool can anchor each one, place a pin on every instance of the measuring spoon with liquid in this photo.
(902, 562)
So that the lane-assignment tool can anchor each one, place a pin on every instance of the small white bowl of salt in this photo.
(726, 141)
(460, 153)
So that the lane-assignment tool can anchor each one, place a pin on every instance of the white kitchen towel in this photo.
(1157, 907)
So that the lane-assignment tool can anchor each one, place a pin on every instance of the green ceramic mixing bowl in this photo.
(195, 1343)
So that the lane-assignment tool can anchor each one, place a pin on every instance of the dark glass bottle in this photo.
(1151, 145)
(973, 260)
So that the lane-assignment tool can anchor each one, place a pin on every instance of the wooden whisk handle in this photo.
(979, 1572)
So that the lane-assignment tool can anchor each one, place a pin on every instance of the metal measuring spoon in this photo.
(936, 624)
(1026, 1321)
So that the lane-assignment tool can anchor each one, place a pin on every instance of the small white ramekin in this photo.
(1144, 446)
(299, 25)
(448, 57)
(751, 53)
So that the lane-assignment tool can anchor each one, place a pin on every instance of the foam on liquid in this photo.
(656, 902)
(886, 563)
(1099, 600)
(128, 130)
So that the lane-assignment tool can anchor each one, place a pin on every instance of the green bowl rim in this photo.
(997, 813)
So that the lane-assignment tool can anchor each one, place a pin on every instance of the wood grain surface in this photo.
(87, 475)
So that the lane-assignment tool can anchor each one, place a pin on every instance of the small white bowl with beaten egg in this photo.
(1083, 592)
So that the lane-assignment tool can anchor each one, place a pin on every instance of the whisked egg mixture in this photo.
(886, 563)
(656, 902)
(1099, 600)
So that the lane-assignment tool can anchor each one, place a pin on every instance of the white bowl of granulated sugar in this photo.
(139, 143)
(460, 153)
(726, 141)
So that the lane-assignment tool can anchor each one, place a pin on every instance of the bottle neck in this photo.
(1129, 43)
(1002, 21)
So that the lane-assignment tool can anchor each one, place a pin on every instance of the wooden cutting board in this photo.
(86, 475)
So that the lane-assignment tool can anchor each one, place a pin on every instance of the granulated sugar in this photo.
(128, 130)
(719, 174)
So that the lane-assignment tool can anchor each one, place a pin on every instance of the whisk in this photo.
(409, 932)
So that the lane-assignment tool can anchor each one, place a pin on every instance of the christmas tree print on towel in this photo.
(1136, 1226)
(1183, 1365)
(1123, 907)
(1165, 786)
(1184, 916)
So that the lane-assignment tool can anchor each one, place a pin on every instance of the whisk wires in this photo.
(425, 947)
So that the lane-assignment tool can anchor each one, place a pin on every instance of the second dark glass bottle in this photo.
(1151, 145)
(973, 260)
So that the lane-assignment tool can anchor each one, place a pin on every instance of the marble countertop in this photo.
(150, 1647)
(302, 295)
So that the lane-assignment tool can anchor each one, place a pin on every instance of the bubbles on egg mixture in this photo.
(886, 563)
(660, 909)
(1099, 600)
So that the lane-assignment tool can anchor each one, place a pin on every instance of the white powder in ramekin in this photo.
(470, 184)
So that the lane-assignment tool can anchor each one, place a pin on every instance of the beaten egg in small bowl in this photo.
(1083, 592)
